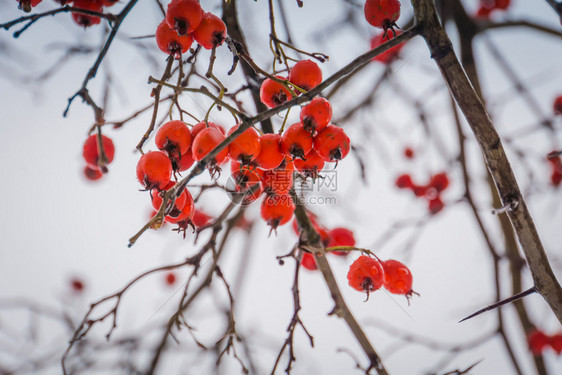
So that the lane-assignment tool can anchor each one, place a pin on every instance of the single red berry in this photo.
(273, 93)
(296, 141)
(439, 182)
(92, 174)
(279, 181)
(211, 32)
(310, 166)
(316, 115)
(205, 141)
(173, 137)
(341, 237)
(77, 285)
(178, 204)
(91, 154)
(26, 5)
(382, 13)
(332, 144)
(170, 42)
(537, 341)
(86, 20)
(557, 105)
(409, 153)
(404, 181)
(170, 278)
(365, 274)
(202, 125)
(270, 155)
(246, 147)
(200, 218)
(305, 74)
(555, 342)
(308, 262)
(390, 54)
(277, 210)
(185, 213)
(184, 16)
(435, 205)
(154, 170)
(397, 277)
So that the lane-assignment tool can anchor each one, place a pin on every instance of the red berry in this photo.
(246, 147)
(277, 209)
(538, 341)
(205, 141)
(390, 54)
(409, 153)
(92, 174)
(332, 144)
(382, 13)
(316, 115)
(419, 190)
(273, 93)
(397, 277)
(90, 150)
(173, 137)
(170, 42)
(270, 155)
(178, 204)
(310, 166)
(247, 182)
(341, 237)
(184, 162)
(200, 218)
(26, 5)
(185, 213)
(308, 262)
(557, 106)
(77, 285)
(279, 180)
(365, 274)
(404, 181)
(170, 278)
(86, 20)
(184, 16)
(296, 141)
(555, 342)
(305, 74)
(435, 205)
(202, 125)
(154, 170)
(439, 182)
(211, 31)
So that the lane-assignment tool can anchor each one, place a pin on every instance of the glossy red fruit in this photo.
(200, 218)
(246, 147)
(557, 105)
(279, 181)
(77, 285)
(537, 341)
(270, 155)
(202, 125)
(178, 204)
(90, 150)
(419, 190)
(92, 174)
(390, 54)
(154, 170)
(277, 210)
(184, 16)
(170, 42)
(173, 137)
(205, 141)
(555, 342)
(211, 32)
(332, 144)
(311, 166)
(26, 5)
(170, 278)
(316, 115)
(409, 153)
(341, 237)
(435, 205)
(365, 274)
(404, 181)
(86, 20)
(296, 141)
(273, 93)
(184, 162)
(382, 13)
(185, 213)
(397, 277)
(305, 74)
(308, 262)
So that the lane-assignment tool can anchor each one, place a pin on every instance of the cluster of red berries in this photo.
(539, 341)
(84, 20)
(431, 191)
(487, 6)
(95, 168)
(557, 106)
(390, 55)
(556, 167)
(382, 13)
(368, 274)
(338, 236)
(185, 22)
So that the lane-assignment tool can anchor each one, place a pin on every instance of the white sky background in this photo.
(55, 225)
